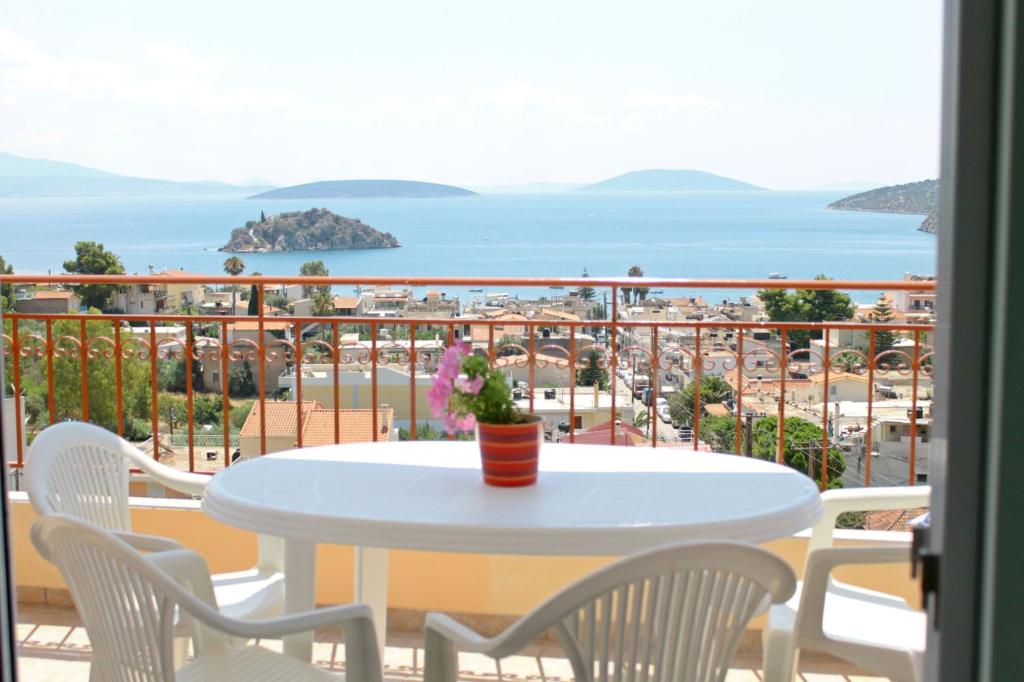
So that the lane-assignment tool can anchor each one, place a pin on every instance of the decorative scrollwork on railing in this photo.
(134, 347)
(101, 347)
(393, 353)
(67, 347)
(804, 365)
(585, 353)
(165, 349)
(511, 354)
(279, 349)
(543, 357)
(206, 349)
(926, 363)
(849, 360)
(8, 344)
(315, 350)
(894, 361)
(672, 357)
(355, 353)
(33, 345)
(243, 350)
(752, 360)
(428, 356)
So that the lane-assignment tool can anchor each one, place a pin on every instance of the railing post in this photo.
(614, 360)
(50, 400)
(154, 398)
(16, 365)
(825, 441)
(739, 391)
(412, 381)
(915, 367)
(780, 448)
(84, 357)
(189, 395)
(698, 366)
(261, 352)
(871, 404)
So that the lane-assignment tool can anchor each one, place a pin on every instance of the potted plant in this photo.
(469, 395)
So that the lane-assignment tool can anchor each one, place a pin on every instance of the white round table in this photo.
(589, 500)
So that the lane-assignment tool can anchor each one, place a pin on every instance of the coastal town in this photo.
(874, 402)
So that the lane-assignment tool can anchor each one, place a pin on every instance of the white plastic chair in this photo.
(83, 471)
(874, 630)
(127, 601)
(673, 614)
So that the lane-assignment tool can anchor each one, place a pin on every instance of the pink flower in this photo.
(470, 386)
(437, 397)
(467, 423)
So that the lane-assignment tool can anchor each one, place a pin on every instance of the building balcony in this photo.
(222, 388)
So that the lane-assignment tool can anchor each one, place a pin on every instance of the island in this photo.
(660, 180)
(366, 189)
(918, 198)
(23, 177)
(315, 230)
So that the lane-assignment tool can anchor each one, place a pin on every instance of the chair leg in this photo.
(441, 661)
(780, 657)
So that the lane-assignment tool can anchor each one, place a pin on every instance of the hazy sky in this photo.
(786, 94)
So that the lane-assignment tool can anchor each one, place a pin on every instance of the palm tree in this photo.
(638, 293)
(234, 266)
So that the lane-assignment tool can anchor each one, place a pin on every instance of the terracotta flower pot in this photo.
(509, 452)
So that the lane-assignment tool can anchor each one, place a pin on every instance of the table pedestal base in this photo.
(371, 587)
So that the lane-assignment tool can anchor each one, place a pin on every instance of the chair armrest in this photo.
(458, 634)
(836, 502)
(820, 564)
(148, 543)
(182, 481)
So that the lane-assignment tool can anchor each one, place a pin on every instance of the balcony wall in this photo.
(486, 585)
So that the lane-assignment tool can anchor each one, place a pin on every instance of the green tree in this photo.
(806, 305)
(642, 420)
(424, 431)
(802, 450)
(171, 375)
(586, 293)
(593, 373)
(206, 408)
(314, 268)
(882, 314)
(6, 290)
(634, 294)
(173, 410)
(242, 381)
(713, 389)
(101, 377)
(234, 266)
(323, 302)
(263, 217)
(92, 259)
(719, 431)
(254, 303)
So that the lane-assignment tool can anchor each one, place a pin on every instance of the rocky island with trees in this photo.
(314, 230)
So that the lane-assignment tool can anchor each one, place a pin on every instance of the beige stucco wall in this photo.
(425, 581)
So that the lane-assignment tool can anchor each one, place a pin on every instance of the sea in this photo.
(691, 235)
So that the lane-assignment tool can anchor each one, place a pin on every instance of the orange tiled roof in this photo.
(280, 417)
(838, 376)
(892, 519)
(52, 294)
(318, 423)
(356, 426)
(345, 302)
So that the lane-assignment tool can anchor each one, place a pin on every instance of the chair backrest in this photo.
(80, 470)
(126, 603)
(674, 614)
(838, 502)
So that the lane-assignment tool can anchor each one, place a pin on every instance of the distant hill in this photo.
(668, 181)
(22, 177)
(315, 230)
(914, 197)
(364, 189)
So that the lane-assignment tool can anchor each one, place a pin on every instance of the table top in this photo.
(588, 500)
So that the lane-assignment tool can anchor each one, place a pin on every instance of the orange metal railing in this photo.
(31, 337)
